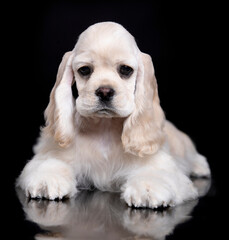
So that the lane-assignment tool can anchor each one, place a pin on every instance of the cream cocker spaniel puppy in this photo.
(114, 136)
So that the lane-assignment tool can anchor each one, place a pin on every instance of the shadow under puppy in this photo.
(114, 136)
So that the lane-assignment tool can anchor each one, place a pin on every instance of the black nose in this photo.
(105, 94)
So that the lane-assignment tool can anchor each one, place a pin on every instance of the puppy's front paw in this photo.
(147, 194)
(50, 179)
(51, 186)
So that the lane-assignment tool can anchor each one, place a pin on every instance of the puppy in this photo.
(114, 136)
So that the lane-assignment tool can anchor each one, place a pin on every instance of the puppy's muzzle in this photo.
(105, 94)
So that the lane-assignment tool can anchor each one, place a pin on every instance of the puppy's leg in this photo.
(200, 167)
(187, 157)
(49, 178)
(160, 183)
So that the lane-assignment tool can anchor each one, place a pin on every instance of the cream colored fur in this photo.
(131, 148)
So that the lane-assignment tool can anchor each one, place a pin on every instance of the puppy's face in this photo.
(105, 68)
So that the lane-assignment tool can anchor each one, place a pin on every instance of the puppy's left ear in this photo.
(143, 130)
(60, 110)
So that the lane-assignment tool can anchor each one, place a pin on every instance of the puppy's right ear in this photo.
(60, 110)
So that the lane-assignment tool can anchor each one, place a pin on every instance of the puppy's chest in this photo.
(107, 145)
(100, 146)
(104, 145)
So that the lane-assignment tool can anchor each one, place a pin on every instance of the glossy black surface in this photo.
(101, 215)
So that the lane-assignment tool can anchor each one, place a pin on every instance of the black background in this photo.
(186, 43)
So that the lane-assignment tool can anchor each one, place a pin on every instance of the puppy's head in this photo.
(105, 67)
(114, 80)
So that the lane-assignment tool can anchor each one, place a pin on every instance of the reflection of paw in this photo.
(148, 223)
(50, 179)
(202, 185)
(148, 194)
(47, 213)
(156, 224)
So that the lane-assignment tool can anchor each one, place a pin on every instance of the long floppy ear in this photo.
(143, 130)
(60, 110)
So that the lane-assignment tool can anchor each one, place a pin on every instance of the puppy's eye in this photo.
(85, 71)
(125, 71)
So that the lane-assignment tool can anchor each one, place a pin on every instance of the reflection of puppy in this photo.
(114, 136)
(94, 215)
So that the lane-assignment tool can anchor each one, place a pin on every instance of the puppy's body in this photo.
(115, 136)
